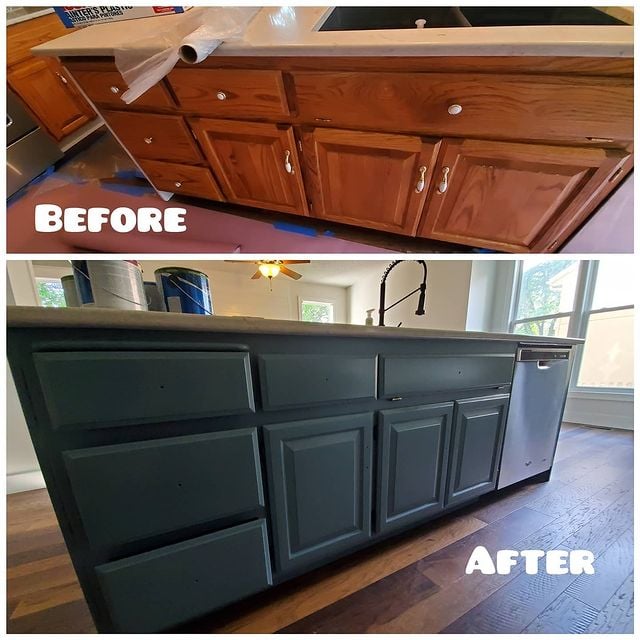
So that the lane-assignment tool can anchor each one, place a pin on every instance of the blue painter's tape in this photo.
(128, 189)
(64, 16)
(295, 228)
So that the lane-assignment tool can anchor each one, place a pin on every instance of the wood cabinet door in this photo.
(512, 196)
(374, 180)
(319, 478)
(476, 445)
(255, 163)
(43, 86)
(413, 452)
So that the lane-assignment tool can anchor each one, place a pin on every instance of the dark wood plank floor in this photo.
(411, 584)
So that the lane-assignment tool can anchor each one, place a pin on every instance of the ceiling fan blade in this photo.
(256, 275)
(243, 261)
(290, 273)
(296, 261)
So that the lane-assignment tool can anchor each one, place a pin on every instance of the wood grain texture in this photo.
(182, 178)
(249, 158)
(413, 583)
(23, 36)
(52, 98)
(368, 179)
(493, 106)
(507, 196)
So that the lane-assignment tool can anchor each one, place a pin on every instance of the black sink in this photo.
(374, 18)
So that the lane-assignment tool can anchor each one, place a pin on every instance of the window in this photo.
(584, 299)
(50, 292)
(311, 311)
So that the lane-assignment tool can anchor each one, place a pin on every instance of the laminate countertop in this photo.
(87, 318)
(293, 31)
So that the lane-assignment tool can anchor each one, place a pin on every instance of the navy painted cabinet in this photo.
(413, 453)
(319, 475)
(478, 431)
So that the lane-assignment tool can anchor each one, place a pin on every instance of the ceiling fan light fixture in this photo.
(269, 269)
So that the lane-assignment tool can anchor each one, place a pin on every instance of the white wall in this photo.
(447, 294)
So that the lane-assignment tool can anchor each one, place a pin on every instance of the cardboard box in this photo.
(81, 16)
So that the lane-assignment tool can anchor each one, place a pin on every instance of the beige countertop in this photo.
(38, 317)
(292, 31)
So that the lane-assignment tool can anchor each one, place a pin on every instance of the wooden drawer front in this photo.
(111, 388)
(23, 36)
(303, 379)
(514, 197)
(493, 106)
(107, 87)
(162, 588)
(154, 137)
(182, 178)
(230, 93)
(407, 375)
(127, 492)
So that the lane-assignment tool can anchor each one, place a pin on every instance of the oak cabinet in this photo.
(413, 451)
(511, 196)
(375, 180)
(476, 445)
(256, 163)
(319, 477)
(43, 86)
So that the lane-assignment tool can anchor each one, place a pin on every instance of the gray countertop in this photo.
(38, 317)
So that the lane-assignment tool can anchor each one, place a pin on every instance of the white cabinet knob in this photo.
(221, 95)
(114, 89)
(148, 140)
(454, 109)
(178, 184)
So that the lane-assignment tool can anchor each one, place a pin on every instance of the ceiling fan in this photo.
(271, 268)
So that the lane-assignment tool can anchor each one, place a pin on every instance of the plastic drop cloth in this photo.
(200, 31)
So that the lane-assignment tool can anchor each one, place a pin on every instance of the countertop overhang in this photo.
(106, 319)
(293, 31)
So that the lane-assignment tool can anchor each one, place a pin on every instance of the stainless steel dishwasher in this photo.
(537, 402)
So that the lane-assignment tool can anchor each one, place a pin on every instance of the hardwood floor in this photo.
(411, 584)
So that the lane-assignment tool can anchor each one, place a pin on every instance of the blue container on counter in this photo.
(83, 283)
(184, 290)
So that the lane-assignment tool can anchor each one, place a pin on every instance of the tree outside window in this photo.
(50, 292)
(311, 311)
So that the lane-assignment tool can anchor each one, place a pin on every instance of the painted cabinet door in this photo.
(514, 197)
(375, 180)
(255, 163)
(413, 455)
(476, 445)
(50, 95)
(319, 476)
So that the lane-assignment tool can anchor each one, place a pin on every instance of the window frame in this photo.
(328, 303)
(578, 323)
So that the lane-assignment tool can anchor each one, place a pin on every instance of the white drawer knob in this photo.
(148, 140)
(114, 90)
(221, 95)
(178, 184)
(454, 109)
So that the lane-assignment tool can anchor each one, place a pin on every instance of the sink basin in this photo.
(375, 18)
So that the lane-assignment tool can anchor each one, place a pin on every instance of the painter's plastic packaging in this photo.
(192, 39)
(83, 16)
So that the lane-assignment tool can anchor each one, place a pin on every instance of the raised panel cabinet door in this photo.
(319, 476)
(476, 445)
(255, 163)
(515, 197)
(375, 180)
(43, 86)
(413, 454)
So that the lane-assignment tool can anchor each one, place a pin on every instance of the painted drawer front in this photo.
(230, 92)
(406, 375)
(155, 137)
(127, 492)
(162, 588)
(107, 87)
(413, 454)
(182, 178)
(303, 379)
(320, 487)
(490, 105)
(112, 388)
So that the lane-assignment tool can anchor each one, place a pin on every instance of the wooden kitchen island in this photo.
(193, 461)
(504, 138)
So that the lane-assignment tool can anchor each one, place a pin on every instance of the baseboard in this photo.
(28, 481)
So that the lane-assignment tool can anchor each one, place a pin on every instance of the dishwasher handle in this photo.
(544, 355)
